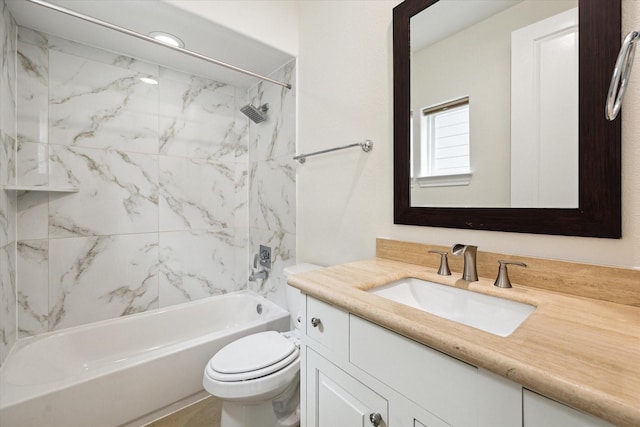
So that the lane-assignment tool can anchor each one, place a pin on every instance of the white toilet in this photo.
(258, 376)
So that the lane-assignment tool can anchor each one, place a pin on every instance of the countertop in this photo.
(580, 351)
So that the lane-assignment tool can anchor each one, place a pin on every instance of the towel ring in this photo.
(620, 77)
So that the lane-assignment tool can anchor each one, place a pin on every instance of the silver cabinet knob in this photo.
(315, 322)
(375, 418)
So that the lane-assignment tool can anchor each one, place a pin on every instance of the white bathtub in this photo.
(113, 372)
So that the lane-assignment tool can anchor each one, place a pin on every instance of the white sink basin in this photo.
(491, 314)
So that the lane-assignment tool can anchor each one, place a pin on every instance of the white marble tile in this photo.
(275, 137)
(8, 306)
(48, 41)
(197, 118)
(283, 247)
(7, 199)
(97, 278)
(33, 93)
(241, 195)
(33, 215)
(196, 194)
(243, 258)
(118, 192)
(33, 287)
(33, 37)
(271, 146)
(100, 106)
(8, 73)
(7, 159)
(32, 164)
(272, 188)
(272, 195)
(196, 264)
(5, 216)
(241, 130)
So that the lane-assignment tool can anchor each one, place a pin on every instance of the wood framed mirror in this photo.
(598, 211)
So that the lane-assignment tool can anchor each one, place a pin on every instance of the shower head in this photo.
(256, 114)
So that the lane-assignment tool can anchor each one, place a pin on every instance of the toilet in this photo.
(257, 377)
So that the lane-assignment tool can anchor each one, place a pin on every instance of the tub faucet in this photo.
(262, 274)
(469, 272)
(255, 275)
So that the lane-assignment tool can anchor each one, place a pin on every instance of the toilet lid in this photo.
(252, 353)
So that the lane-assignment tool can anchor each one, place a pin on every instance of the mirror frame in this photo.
(599, 210)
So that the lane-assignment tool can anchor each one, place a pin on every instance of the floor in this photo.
(205, 412)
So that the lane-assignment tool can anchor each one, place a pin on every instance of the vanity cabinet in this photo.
(353, 369)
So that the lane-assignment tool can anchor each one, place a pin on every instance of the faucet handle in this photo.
(502, 281)
(444, 264)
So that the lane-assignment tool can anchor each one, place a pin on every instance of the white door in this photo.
(544, 113)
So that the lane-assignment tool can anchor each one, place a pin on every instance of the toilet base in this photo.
(283, 411)
(237, 415)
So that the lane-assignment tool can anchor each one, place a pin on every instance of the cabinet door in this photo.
(334, 398)
(539, 411)
(405, 413)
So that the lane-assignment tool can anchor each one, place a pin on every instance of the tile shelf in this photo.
(40, 188)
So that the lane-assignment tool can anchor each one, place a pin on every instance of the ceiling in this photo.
(144, 16)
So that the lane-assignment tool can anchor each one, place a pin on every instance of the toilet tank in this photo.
(294, 298)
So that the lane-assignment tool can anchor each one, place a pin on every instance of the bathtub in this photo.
(115, 372)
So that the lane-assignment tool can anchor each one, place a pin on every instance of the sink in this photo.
(491, 314)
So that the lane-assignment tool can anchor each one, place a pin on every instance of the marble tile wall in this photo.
(272, 189)
(8, 307)
(161, 213)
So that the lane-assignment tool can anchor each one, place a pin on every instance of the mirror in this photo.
(588, 201)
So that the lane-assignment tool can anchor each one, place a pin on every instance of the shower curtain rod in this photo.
(152, 40)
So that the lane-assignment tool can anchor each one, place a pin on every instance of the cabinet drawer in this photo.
(328, 326)
(442, 385)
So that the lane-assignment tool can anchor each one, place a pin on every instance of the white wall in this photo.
(344, 96)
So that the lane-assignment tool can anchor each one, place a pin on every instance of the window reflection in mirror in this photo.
(517, 62)
(442, 148)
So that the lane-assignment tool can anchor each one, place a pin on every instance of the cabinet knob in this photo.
(315, 322)
(375, 419)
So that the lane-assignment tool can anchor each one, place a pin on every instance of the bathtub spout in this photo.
(255, 275)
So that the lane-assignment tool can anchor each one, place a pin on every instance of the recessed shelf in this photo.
(40, 188)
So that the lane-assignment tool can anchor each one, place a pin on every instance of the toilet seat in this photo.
(252, 357)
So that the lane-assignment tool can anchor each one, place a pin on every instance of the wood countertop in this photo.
(584, 352)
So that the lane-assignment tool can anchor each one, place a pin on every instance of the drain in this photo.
(259, 308)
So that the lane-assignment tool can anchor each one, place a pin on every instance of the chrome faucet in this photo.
(469, 272)
(255, 275)
(264, 259)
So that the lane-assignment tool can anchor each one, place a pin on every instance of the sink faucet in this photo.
(469, 271)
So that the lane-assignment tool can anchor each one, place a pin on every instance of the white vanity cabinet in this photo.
(356, 373)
